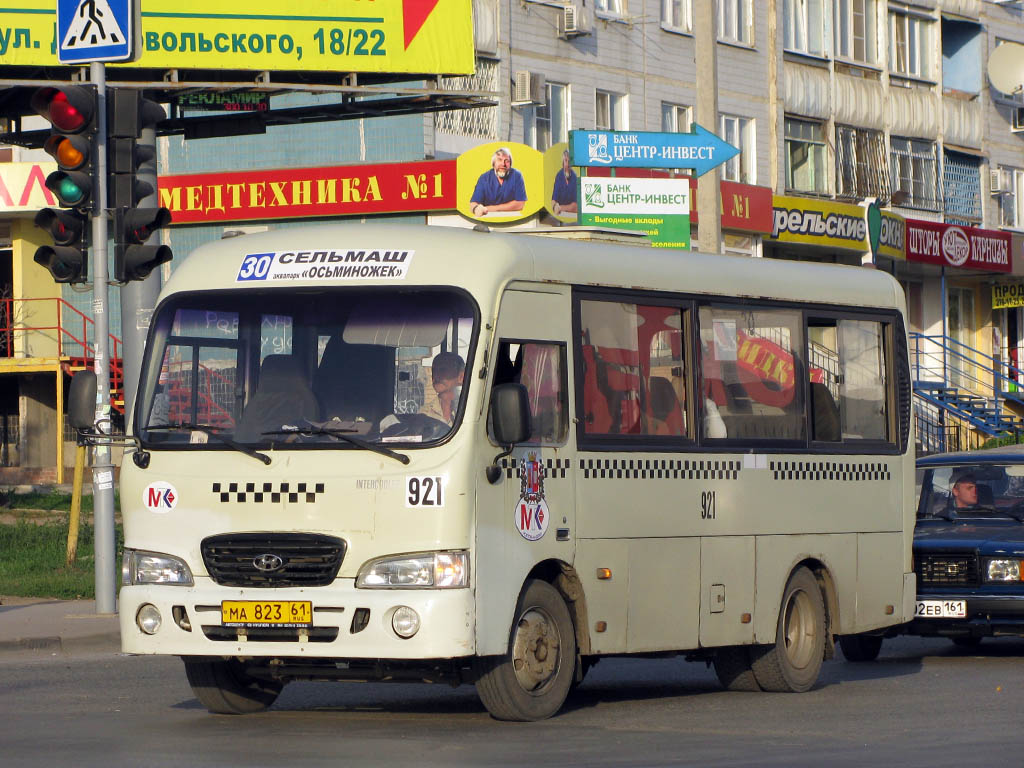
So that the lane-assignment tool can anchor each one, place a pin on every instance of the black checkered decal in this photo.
(828, 470)
(273, 493)
(679, 469)
(555, 467)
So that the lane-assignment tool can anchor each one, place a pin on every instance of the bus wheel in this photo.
(793, 662)
(732, 665)
(860, 647)
(224, 688)
(531, 681)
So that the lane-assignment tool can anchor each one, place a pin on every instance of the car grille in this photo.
(947, 570)
(306, 559)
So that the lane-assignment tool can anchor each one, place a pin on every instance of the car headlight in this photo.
(439, 570)
(139, 567)
(1002, 569)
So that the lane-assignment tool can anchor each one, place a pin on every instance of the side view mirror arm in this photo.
(493, 471)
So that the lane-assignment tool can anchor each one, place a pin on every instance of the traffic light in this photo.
(133, 260)
(68, 258)
(71, 110)
(128, 113)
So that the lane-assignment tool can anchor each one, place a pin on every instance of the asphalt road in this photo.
(923, 703)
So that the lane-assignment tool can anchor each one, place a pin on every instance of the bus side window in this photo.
(540, 367)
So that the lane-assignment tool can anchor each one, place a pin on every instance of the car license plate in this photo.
(940, 609)
(266, 613)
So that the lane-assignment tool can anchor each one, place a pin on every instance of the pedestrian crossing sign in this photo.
(97, 30)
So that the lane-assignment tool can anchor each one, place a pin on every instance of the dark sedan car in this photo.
(969, 545)
(968, 551)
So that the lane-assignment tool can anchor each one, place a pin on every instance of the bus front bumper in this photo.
(347, 623)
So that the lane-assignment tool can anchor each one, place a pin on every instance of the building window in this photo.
(961, 188)
(675, 15)
(806, 170)
(912, 163)
(855, 30)
(552, 117)
(610, 7)
(804, 26)
(675, 118)
(909, 44)
(739, 131)
(735, 21)
(861, 170)
(1010, 191)
(610, 112)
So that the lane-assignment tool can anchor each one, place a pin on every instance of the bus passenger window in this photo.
(846, 363)
(611, 386)
(749, 361)
(864, 383)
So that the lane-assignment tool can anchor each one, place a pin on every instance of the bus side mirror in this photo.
(510, 422)
(82, 401)
(510, 413)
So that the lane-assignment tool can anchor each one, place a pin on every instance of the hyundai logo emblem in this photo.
(268, 562)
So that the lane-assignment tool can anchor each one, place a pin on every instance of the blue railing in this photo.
(963, 382)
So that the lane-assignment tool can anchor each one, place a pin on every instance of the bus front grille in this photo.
(947, 570)
(273, 559)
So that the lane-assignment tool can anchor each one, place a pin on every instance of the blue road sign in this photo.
(96, 30)
(700, 150)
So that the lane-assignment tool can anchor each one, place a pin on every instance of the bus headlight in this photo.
(139, 567)
(439, 570)
(1002, 569)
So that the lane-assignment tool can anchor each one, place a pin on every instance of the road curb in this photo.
(104, 642)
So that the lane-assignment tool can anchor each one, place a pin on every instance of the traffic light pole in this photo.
(102, 466)
(138, 297)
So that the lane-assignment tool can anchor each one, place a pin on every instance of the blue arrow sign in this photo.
(700, 150)
(96, 30)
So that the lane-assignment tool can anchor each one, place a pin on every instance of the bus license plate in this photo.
(940, 609)
(266, 613)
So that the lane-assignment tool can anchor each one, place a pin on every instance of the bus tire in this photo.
(732, 665)
(223, 687)
(531, 681)
(793, 662)
(860, 647)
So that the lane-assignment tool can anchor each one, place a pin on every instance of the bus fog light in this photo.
(148, 618)
(405, 621)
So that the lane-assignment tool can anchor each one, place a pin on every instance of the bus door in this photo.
(535, 517)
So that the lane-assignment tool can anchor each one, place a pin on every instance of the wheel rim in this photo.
(800, 630)
(536, 651)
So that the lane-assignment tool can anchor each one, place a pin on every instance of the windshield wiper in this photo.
(342, 434)
(208, 429)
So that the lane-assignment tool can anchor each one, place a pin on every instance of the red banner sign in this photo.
(746, 207)
(353, 190)
(949, 245)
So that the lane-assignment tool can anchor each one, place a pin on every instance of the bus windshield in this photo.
(306, 368)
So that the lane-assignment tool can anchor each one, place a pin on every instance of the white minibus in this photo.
(379, 452)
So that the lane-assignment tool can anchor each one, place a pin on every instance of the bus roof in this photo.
(482, 261)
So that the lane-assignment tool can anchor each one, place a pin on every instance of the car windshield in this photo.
(973, 491)
(338, 368)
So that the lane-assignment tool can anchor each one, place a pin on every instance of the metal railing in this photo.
(69, 335)
(965, 388)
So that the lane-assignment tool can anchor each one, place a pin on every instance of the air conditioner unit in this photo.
(520, 87)
(995, 181)
(1017, 125)
(573, 22)
(528, 88)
